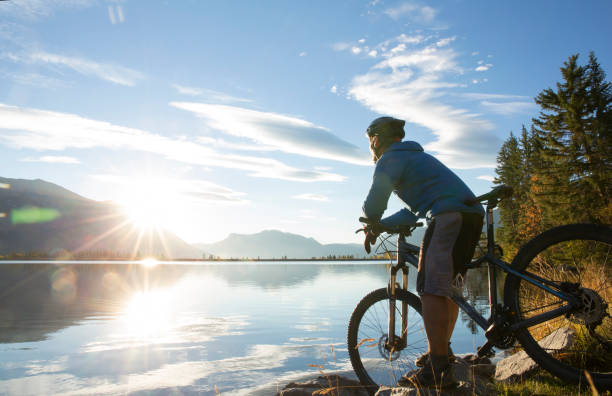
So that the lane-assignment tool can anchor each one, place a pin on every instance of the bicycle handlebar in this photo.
(404, 229)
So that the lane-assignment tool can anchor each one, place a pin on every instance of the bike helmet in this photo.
(386, 127)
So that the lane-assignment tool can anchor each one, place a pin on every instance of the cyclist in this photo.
(429, 190)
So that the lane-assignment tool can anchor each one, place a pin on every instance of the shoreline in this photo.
(161, 261)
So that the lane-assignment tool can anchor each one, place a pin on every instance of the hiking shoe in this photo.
(424, 358)
(425, 377)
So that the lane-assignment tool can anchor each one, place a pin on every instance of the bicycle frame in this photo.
(499, 325)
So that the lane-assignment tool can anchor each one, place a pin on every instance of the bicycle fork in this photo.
(395, 343)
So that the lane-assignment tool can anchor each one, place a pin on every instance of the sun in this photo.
(149, 205)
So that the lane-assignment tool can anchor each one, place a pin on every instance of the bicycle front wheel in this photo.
(577, 258)
(374, 361)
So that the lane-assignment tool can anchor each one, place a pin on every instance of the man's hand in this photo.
(371, 233)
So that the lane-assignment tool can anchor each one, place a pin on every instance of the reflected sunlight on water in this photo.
(149, 262)
(149, 314)
(125, 328)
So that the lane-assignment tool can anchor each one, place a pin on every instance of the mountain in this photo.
(278, 244)
(39, 216)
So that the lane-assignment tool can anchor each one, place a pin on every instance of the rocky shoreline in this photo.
(475, 377)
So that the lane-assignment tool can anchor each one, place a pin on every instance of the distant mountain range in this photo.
(43, 217)
(38, 216)
(277, 244)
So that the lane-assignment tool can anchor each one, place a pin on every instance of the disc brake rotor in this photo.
(593, 309)
(383, 349)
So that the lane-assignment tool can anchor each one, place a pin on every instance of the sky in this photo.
(218, 117)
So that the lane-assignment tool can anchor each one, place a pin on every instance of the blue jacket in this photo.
(423, 183)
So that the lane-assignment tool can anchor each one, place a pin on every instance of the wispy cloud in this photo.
(412, 11)
(503, 104)
(233, 146)
(288, 134)
(194, 190)
(412, 83)
(113, 73)
(508, 108)
(53, 159)
(35, 9)
(398, 44)
(445, 41)
(105, 71)
(486, 177)
(33, 79)
(341, 46)
(484, 67)
(212, 95)
(488, 96)
(48, 130)
(115, 14)
(312, 197)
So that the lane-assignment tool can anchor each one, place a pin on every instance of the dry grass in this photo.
(546, 384)
(588, 264)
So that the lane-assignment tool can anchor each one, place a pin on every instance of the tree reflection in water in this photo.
(476, 292)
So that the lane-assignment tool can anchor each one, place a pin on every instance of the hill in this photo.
(278, 244)
(43, 217)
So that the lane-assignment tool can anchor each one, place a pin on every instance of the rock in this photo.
(473, 380)
(519, 365)
(325, 385)
(462, 389)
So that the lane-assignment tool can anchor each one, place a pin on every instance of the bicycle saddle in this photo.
(499, 192)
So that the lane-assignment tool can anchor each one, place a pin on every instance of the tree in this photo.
(510, 172)
(561, 169)
(573, 179)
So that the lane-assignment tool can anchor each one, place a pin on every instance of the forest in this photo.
(561, 165)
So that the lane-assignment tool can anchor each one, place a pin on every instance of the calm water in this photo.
(183, 328)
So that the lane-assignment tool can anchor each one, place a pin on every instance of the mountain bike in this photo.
(558, 287)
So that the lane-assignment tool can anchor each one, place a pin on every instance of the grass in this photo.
(586, 263)
(545, 383)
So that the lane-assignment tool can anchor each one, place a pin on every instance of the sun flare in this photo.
(149, 204)
(149, 313)
(149, 262)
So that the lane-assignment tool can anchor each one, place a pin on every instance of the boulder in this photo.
(520, 365)
(473, 380)
(324, 385)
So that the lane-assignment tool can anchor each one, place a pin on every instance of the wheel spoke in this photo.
(577, 256)
(379, 366)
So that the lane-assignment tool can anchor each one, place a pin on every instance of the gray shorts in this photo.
(448, 245)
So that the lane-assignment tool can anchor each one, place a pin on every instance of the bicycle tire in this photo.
(567, 253)
(366, 331)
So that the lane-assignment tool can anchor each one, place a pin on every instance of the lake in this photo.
(240, 328)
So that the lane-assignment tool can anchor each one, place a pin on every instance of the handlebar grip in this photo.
(365, 220)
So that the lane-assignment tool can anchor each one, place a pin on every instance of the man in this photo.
(429, 190)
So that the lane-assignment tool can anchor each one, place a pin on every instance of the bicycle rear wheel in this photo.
(374, 364)
(578, 258)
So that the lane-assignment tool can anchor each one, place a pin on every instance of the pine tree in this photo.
(530, 213)
(510, 172)
(572, 179)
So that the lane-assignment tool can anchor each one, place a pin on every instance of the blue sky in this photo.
(238, 116)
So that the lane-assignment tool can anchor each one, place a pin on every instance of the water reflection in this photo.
(185, 328)
(39, 299)
(476, 292)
